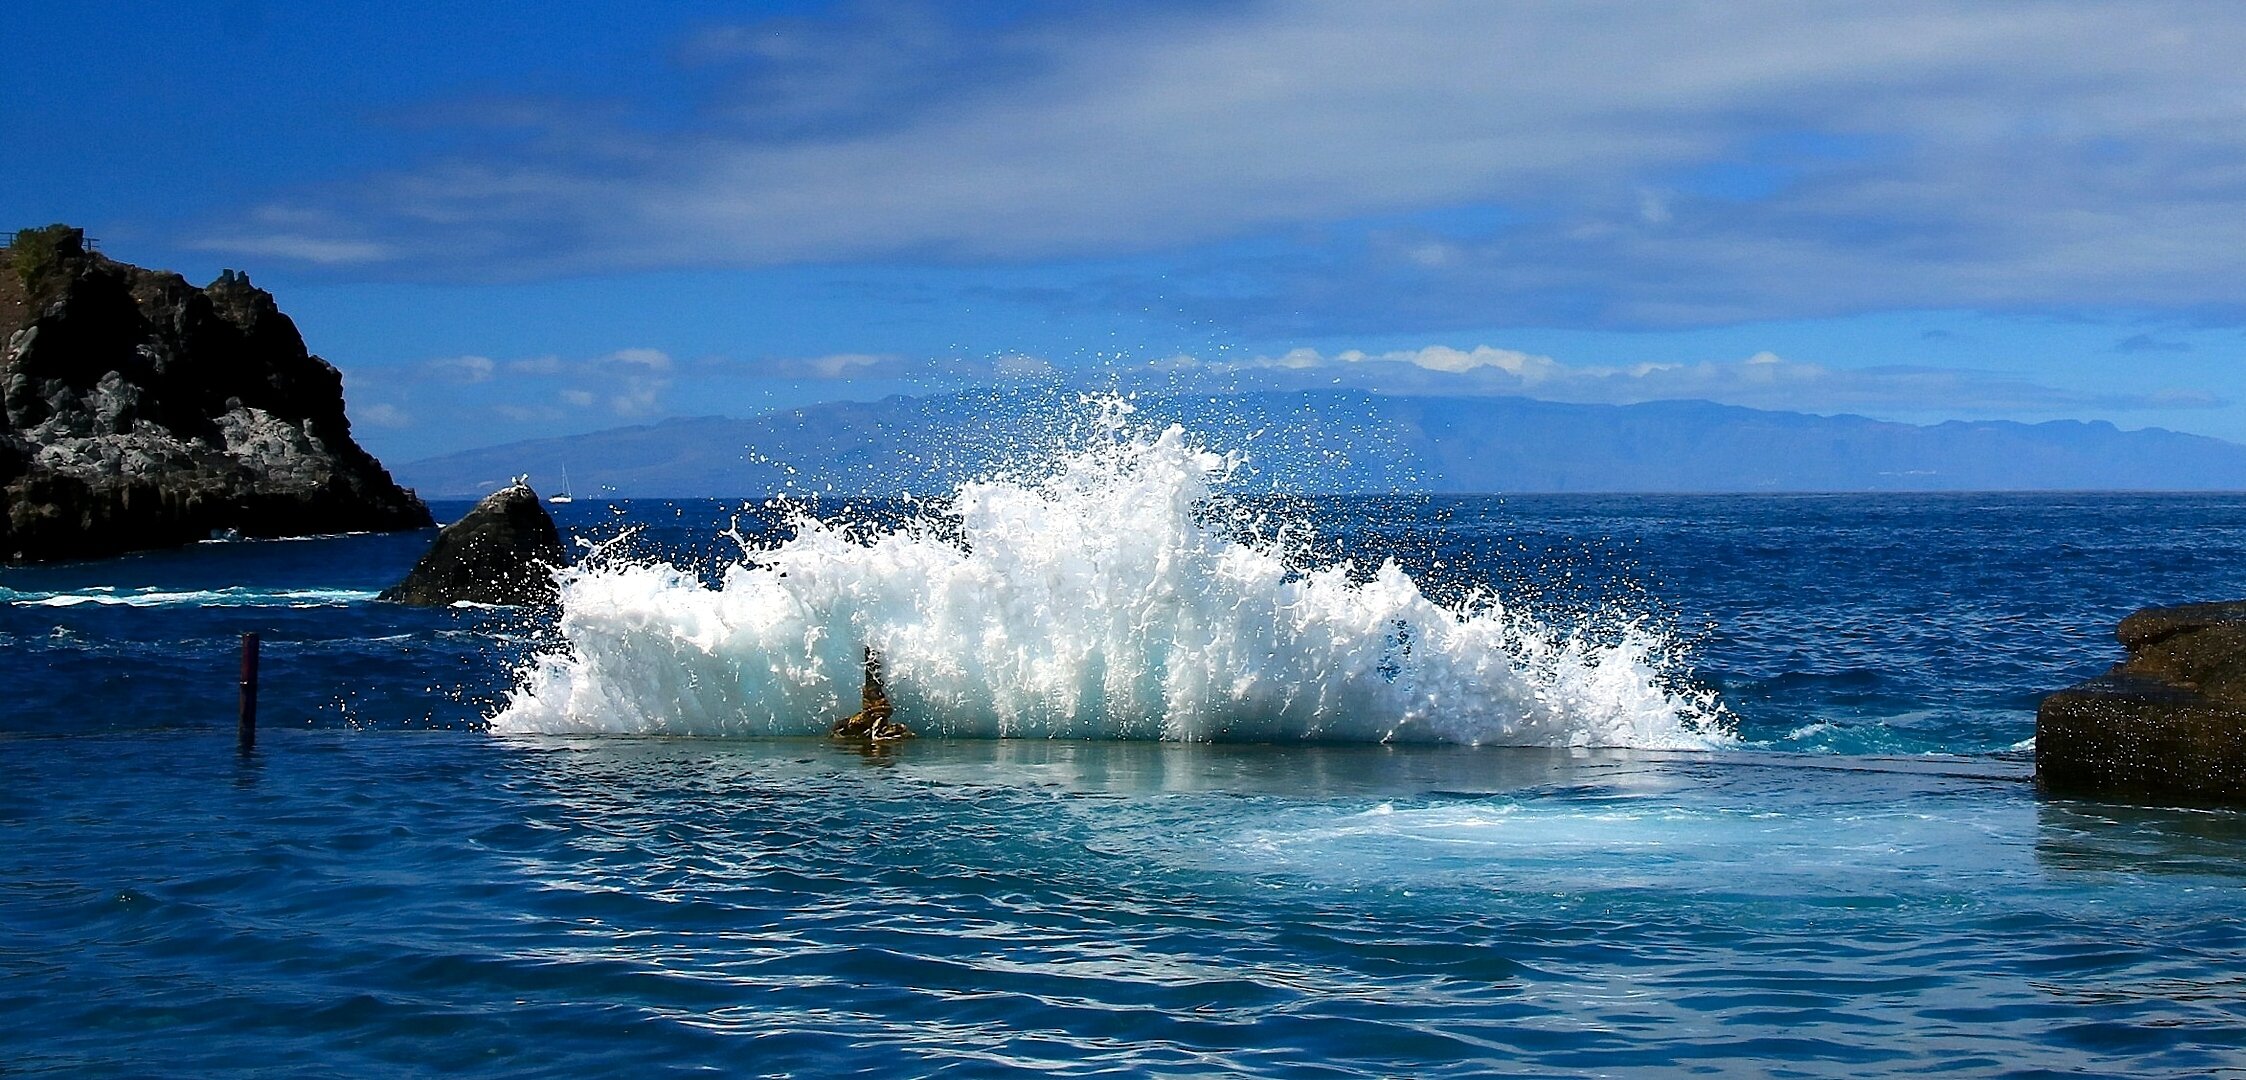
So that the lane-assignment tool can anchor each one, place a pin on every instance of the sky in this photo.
(506, 220)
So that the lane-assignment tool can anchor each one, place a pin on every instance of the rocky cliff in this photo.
(138, 411)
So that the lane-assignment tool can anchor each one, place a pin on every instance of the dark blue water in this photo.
(1865, 885)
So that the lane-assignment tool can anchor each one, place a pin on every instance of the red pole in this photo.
(248, 728)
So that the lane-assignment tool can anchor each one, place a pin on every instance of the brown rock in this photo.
(2168, 720)
(874, 721)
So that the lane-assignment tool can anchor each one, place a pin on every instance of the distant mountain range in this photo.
(1350, 441)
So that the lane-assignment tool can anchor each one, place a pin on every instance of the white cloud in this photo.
(638, 399)
(844, 367)
(631, 382)
(1016, 366)
(383, 414)
(651, 359)
(1762, 380)
(1529, 369)
(463, 369)
(847, 365)
(1658, 163)
(322, 250)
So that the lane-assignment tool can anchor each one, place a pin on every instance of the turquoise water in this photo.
(1862, 882)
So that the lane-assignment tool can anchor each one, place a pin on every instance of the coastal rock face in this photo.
(2168, 720)
(503, 552)
(137, 411)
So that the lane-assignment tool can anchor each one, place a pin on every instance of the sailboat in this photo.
(563, 495)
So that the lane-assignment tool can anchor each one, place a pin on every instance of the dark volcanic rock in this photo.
(503, 552)
(137, 411)
(2168, 720)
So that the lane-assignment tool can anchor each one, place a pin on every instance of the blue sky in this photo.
(507, 219)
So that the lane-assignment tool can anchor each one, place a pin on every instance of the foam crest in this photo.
(231, 596)
(1097, 601)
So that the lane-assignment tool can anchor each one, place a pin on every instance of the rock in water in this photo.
(137, 411)
(503, 552)
(875, 720)
(2168, 720)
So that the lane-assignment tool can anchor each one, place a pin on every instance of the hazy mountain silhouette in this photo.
(1352, 441)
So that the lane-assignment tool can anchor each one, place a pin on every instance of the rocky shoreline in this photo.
(2168, 720)
(138, 412)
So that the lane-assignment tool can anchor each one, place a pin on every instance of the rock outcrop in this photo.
(137, 411)
(503, 552)
(2169, 720)
(875, 720)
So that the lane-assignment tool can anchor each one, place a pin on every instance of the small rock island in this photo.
(504, 552)
(138, 411)
(2168, 720)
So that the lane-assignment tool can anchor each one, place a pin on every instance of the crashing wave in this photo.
(1099, 600)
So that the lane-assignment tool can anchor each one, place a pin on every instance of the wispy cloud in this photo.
(1645, 165)
(846, 367)
(1763, 380)
(322, 250)
(305, 233)
(628, 384)
(383, 414)
(2146, 343)
(463, 369)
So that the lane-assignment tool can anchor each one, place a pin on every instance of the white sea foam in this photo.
(234, 596)
(1096, 602)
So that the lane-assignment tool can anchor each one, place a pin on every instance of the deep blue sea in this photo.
(446, 854)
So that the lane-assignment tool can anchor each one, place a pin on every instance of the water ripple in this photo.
(349, 901)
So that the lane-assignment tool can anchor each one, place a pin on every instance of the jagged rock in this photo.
(875, 720)
(137, 411)
(2169, 720)
(503, 552)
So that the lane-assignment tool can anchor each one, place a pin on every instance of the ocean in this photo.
(1209, 781)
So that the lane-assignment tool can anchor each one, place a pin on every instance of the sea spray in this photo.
(1101, 599)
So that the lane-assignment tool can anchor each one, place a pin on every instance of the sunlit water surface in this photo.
(1860, 881)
